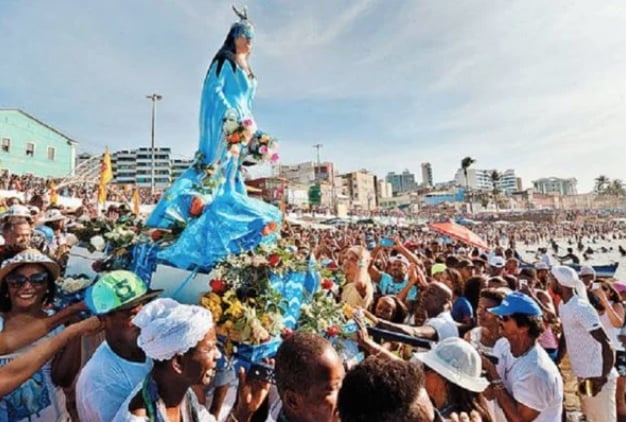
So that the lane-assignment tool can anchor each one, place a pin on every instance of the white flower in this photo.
(98, 242)
(230, 122)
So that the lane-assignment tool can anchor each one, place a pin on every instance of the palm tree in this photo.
(495, 178)
(601, 184)
(465, 164)
(616, 188)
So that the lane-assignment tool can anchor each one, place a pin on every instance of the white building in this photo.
(481, 180)
(384, 189)
(134, 167)
(555, 185)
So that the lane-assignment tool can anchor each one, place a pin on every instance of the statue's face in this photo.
(243, 44)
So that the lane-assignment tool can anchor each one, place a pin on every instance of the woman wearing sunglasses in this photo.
(27, 286)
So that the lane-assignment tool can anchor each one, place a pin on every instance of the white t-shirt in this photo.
(37, 399)
(611, 331)
(579, 318)
(105, 382)
(532, 379)
(124, 415)
(444, 325)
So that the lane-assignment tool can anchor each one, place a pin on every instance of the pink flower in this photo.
(263, 150)
(247, 122)
(274, 158)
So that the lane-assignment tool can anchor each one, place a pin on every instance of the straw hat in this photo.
(53, 214)
(17, 211)
(29, 256)
(458, 362)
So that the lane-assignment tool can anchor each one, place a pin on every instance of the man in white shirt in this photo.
(590, 352)
(435, 304)
(118, 364)
(525, 383)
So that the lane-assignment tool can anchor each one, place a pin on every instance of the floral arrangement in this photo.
(74, 283)
(245, 317)
(71, 289)
(121, 238)
(255, 267)
(263, 148)
(91, 228)
(324, 314)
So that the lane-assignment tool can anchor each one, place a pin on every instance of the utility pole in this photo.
(154, 98)
(318, 154)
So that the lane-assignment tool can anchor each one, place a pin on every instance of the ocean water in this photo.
(597, 258)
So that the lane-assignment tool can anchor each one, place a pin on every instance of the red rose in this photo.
(332, 265)
(274, 260)
(155, 235)
(286, 333)
(333, 331)
(217, 285)
(327, 283)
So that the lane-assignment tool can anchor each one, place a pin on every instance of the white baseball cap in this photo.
(497, 261)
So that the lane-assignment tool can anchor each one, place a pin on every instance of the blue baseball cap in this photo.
(517, 303)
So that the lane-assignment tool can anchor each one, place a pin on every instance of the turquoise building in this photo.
(28, 145)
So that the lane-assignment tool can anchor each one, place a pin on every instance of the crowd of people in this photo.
(445, 331)
(27, 186)
(492, 334)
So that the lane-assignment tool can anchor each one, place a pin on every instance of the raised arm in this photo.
(16, 372)
(13, 340)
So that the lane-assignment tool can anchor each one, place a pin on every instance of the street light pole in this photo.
(154, 98)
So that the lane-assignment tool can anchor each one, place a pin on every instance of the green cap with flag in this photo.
(116, 291)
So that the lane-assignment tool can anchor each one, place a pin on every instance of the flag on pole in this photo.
(136, 201)
(54, 198)
(106, 175)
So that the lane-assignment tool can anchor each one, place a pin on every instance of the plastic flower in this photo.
(247, 122)
(263, 150)
(274, 158)
(327, 283)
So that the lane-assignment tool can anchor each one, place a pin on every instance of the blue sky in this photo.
(534, 85)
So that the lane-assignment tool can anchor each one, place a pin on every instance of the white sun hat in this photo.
(53, 214)
(458, 362)
(17, 211)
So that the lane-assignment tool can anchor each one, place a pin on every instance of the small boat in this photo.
(604, 271)
(607, 271)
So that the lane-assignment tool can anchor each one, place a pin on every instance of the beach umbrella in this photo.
(460, 233)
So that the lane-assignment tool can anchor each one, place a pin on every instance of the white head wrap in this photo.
(168, 328)
(568, 277)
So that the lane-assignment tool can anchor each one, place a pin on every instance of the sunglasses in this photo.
(19, 280)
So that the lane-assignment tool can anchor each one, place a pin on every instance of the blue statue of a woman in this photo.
(231, 222)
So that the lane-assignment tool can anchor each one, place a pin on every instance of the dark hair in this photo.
(452, 262)
(472, 289)
(534, 323)
(499, 280)
(611, 290)
(10, 224)
(464, 400)
(296, 361)
(456, 281)
(227, 51)
(529, 273)
(5, 301)
(494, 294)
(511, 280)
(401, 311)
(381, 391)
